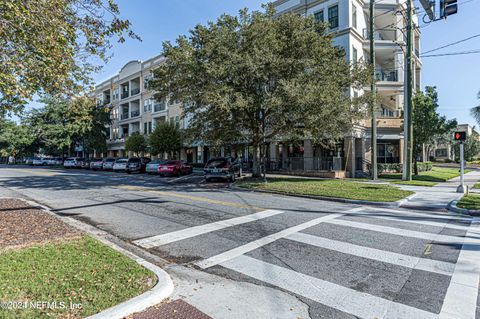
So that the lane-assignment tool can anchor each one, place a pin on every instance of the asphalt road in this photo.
(238, 254)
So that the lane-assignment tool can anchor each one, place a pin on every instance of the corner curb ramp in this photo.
(452, 206)
(331, 199)
(162, 289)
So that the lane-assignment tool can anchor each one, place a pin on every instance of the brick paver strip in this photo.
(177, 309)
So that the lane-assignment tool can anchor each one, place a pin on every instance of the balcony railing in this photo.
(417, 53)
(385, 35)
(386, 76)
(159, 106)
(124, 116)
(124, 95)
(135, 91)
(135, 113)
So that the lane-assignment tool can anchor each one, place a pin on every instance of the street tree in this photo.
(428, 124)
(165, 138)
(62, 123)
(136, 143)
(475, 111)
(471, 148)
(16, 140)
(251, 77)
(51, 47)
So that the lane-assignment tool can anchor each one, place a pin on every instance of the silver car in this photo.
(108, 164)
(152, 167)
(40, 161)
(120, 165)
(96, 164)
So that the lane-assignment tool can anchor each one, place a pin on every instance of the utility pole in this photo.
(408, 124)
(373, 89)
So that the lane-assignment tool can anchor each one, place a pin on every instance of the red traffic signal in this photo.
(460, 136)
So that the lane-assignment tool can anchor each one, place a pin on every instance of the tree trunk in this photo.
(256, 167)
(415, 166)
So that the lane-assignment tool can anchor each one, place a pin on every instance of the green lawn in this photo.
(329, 188)
(469, 202)
(477, 186)
(81, 271)
(430, 178)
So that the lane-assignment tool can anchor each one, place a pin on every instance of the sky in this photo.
(457, 78)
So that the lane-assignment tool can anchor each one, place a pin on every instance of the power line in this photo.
(451, 53)
(453, 43)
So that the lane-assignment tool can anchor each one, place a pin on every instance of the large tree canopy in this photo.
(256, 73)
(166, 138)
(46, 46)
(428, 125)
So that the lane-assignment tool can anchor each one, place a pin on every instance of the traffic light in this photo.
(447, 8)
(460, 136)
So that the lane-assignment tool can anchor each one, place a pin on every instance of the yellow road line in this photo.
(194, 198)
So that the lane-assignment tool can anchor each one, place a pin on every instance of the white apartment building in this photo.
(135, 110)
(348, 21)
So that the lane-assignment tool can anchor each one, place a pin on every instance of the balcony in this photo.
(134, 113)
(135, 91)
(124, 116)
(159, 106)
(124, 95)
(386, 76)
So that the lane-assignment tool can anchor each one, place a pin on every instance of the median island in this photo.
(331, 188)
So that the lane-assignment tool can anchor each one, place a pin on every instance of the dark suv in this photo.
(222, 168)
(137, 165)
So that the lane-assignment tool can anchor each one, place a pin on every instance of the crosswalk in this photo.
(457, 298)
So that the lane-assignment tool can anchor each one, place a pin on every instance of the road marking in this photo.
(194, 198)
(432, 215)
(348, 300)
(399, 231)
(430, 265)
(233, 253)
(405, 218)
(203, 229)
(461, 297)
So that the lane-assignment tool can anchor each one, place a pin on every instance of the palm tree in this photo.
(475, 111)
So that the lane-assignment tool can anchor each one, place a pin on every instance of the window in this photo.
(333, 17)
(146, 79)
(354, 55)
(145, 128)
(319, 16)
(149, 127)
(354, 16)
(147, 105)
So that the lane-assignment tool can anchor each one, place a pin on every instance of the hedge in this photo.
(398, 168)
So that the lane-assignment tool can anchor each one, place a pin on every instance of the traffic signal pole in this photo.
(373, 90)
(408, 109)
(461, 187)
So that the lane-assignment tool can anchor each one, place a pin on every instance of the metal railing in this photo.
(159, 106)
(124, 95)
(135, 91)
(307, 164)
(386, 76)
(134, 113)
(384, 35)
(124, 116)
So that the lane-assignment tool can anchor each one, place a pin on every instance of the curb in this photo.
(332, 199)
(452, 206)
(162, 289)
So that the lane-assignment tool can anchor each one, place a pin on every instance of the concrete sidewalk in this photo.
(439, 196)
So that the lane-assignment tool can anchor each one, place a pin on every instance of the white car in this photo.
(120, 165)
(54, 161)
(108, 164)
(40, 161)
(73, 162)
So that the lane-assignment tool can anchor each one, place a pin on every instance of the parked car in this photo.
(186, 168)
(73, 162)
(120, 165)
(137, 165)
(152, 167)
(222, 168)
(170, 168)
(54, 161)
(108, 164)
(96, 164)
(40, 161)
(86, 163)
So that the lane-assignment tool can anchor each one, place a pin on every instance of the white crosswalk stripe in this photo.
(419, 214)
(399, 232)
(348, 300)
(215, 260)
(430, 265)
(164, 239)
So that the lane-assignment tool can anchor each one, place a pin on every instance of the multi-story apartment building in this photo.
(135, 110)
(133, 107)
(348, 22)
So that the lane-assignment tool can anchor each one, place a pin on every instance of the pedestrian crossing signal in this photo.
(460, 136)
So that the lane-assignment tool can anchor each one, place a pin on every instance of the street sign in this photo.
(460, 136)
